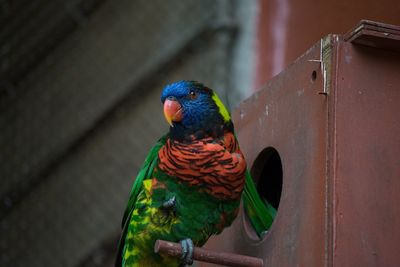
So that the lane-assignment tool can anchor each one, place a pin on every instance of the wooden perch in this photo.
(201, 254)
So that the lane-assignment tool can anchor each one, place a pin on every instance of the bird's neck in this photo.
(180, 132)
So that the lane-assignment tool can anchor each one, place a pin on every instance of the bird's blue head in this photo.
(193, 110)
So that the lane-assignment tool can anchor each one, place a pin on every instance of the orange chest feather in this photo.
(216, 166)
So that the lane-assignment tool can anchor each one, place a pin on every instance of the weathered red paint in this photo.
(333, 116)
(366, 180)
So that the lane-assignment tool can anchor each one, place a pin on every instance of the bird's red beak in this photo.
(172, 111)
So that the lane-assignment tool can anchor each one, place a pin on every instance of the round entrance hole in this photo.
(267, 173)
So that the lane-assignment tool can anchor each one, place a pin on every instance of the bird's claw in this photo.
(187, 251)
(170, 203)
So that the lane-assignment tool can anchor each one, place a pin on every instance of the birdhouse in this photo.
(322, 140)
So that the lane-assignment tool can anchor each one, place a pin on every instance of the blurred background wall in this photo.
(287, 28)
(80, 108)
(80, 82)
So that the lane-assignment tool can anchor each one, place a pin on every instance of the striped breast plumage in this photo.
(217, 166)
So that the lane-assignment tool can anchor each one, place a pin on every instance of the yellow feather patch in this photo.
(147, 186)
(222, 109)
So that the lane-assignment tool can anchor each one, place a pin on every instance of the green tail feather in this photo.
(259, 211)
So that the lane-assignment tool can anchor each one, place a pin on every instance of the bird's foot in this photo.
(187, 251)
(170, 203)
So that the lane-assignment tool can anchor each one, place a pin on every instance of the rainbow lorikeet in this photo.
(191, 183)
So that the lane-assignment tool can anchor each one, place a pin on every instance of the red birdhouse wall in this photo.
(323, 140)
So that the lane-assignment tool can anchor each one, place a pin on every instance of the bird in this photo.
(191, 183)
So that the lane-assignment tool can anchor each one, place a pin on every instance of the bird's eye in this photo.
(193, 95)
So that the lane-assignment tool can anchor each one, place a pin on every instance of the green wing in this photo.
(259, 211)
(144, 173)
(261, 214)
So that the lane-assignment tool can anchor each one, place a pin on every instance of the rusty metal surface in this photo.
(340, 159)
(367, 146)
(290, 115)
(375, 34)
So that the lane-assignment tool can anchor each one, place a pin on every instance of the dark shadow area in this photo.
(267, 172)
